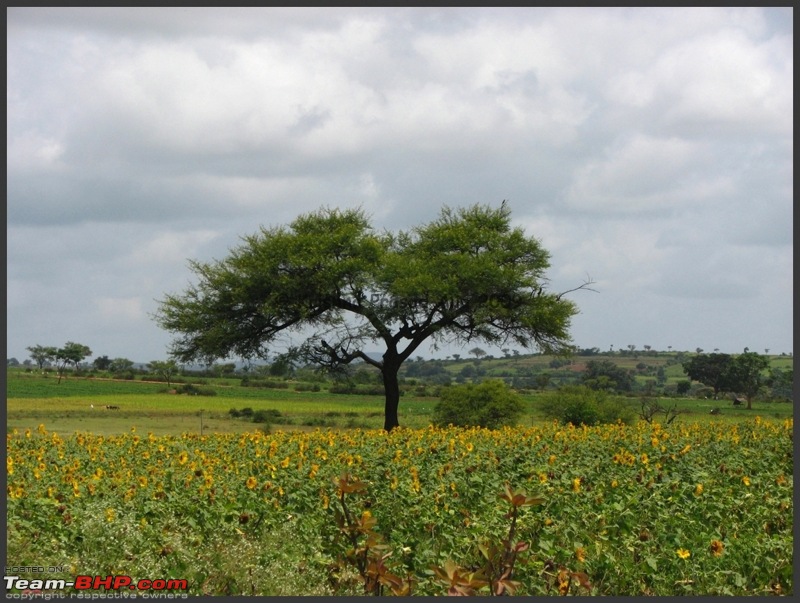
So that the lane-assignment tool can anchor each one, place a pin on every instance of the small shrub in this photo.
(264, 383)
(580, 405)
(318, 422)
(234, 413)
(267, 415)
(192, 390)
(352, 389)
(490, 404)
(246, 412)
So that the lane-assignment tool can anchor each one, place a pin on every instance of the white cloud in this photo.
(120, 309)
(172, 247)
(643, 175)
(650, 148)
(31, 151)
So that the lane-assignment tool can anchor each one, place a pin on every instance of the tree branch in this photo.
(584, 286)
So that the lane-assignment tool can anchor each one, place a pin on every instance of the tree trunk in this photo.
(392, 386)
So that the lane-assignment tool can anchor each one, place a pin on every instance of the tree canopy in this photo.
(466, 277)
(710, 370)
(743, 373)
(746, 374)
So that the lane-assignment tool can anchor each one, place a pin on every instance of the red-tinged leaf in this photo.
(502, 586)
(519, 498)
(349, 484)
(521, 546)
(583, 579)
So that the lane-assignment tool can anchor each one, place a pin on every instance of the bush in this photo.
(580, 405)
(352, 389)
(490, 404)
(306, 387)
(193, 390)
(266, 415)
(264, 383)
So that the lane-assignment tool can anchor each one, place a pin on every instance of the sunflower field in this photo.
(608, 510)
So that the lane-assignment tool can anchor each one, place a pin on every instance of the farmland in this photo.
(689, 509)
(703, 505)
(66, 407)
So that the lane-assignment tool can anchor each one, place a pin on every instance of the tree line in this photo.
(743, 374)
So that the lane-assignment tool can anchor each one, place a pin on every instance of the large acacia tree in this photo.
(467, 276)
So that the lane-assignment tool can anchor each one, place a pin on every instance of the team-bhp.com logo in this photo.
(119, 584)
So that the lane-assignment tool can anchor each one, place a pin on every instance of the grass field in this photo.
(78, 404)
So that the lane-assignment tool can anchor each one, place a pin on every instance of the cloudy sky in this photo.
(650, 149)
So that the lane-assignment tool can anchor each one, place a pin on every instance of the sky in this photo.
(647, 149)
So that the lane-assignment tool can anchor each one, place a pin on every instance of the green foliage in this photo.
(781, 382)
(645, 510)
(102, 363)
(193, 390)
(265, 383)
(353, 389)
(490, 404)
(165, 369)
(580, 405)
(745, 374)
(710, 370)
(42, 354)
(121, 365)
(605, 375)
(467, 276)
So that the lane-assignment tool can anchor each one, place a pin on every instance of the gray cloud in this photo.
(651, 148)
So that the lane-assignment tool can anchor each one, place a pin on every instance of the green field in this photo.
(78, 404)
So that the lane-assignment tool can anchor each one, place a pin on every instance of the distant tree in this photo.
(683, 387)
(224, 368)
(699, 350)
(468, 371)
(745, 375)
(12, 362)
(165, 369)
(456, 357)
(120, 365)
(71, 354)
(478, 353)
(710, 370)
(282, 366)
(542, 380)
(781, 383)
(42, 355)
(466, 277)
(605, 375)
(102, 363)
